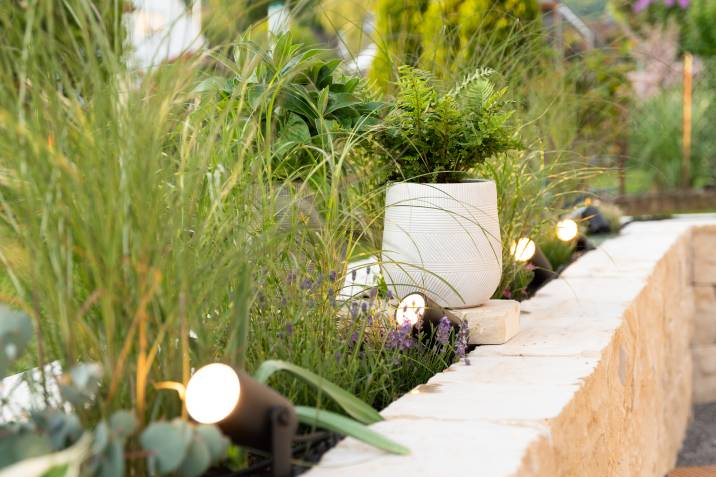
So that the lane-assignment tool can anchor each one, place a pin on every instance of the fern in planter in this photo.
(430, 136)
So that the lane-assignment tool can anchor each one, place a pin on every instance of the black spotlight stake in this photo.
(543, 271)
(263, 420)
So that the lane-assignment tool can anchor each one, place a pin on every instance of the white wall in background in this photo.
(162, 30)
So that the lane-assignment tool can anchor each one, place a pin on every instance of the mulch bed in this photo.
(699, 447)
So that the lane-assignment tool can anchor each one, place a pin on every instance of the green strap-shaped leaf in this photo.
(348, 427)
(355, 408)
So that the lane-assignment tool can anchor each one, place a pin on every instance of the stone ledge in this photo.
(495, 322)
(597, 383)
(705, 249)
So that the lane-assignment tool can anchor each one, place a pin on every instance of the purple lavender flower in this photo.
(290, 277)
(364, 307)
(400, 338)
(306, 284)
(443, 333)
(462, 338)
(390, 295)
(289, 328)
(332, 297)
(338, 357)
(354, 310)
(332, 276)
(373, 293)
(354, 273)
(641, 5)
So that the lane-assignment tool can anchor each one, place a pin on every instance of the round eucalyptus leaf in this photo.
(22, 445)
(123, 423)
(80, 385)
(216, 442)
(63, 429)
(111, 462)
(167, 443)
(101, 438)
(15, 334)
(197, 460)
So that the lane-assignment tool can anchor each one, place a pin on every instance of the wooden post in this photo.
(686, 138)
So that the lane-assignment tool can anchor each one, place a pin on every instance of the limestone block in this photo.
(495, 322)
(704, 314)
(704, 373)
(598, 382)
(704, 244)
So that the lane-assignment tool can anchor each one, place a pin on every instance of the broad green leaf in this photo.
(339, 101)
(348, 427)
(295, 131)
(216, 442)
(197, 460)
(352, 405)
(168, 443)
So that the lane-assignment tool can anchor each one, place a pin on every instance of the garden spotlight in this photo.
(567, 230)
(526, 250)
(523, 250)
(416, 306)
(251, 414)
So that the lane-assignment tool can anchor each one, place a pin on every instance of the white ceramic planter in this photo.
(443, 240)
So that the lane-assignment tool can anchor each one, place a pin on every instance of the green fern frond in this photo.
(479, 74)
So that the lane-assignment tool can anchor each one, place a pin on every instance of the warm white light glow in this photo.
(523, 250)
(566, 230)
(410, 309)
(212, 393)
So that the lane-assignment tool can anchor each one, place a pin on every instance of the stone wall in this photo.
(597, 383)
(704, 344)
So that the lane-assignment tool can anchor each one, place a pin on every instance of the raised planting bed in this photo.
(599, 382)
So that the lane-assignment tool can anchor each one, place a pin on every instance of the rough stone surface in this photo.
(705, 249)
(704, 342)
(597, 383)
(704, 373)
(495, 322)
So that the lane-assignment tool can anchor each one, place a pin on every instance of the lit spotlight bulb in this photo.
(523, 250)
(411, 309)
(566, 230)
(212, 393)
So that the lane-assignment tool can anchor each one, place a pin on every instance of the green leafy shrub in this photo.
(453, 31)
(300, 101)
(397, 32)
(700, 36)
(656, 139)
(430, 136)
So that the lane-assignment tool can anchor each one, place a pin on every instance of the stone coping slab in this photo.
(597, 382)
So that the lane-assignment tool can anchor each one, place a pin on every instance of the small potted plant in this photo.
(441, 233)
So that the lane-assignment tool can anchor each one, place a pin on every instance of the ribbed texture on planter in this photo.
(443, 240)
